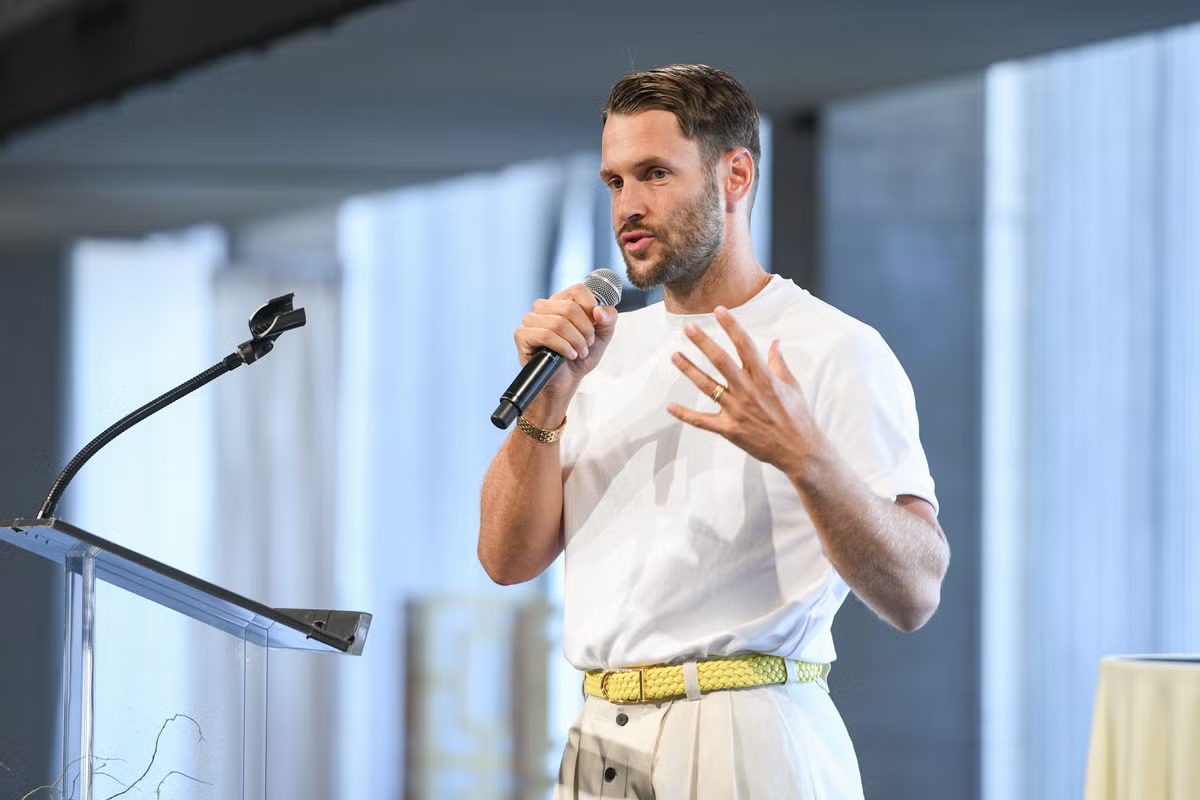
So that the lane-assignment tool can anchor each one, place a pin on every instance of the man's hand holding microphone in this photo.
(573, 326)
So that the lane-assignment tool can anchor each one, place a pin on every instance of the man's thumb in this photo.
(606, 320)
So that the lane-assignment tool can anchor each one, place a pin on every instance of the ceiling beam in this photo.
(57, 56)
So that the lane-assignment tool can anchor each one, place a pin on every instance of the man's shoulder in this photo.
(806, 320)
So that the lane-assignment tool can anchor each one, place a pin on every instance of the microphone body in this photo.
(605, 286)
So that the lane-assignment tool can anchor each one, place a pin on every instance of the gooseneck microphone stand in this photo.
(266, 325)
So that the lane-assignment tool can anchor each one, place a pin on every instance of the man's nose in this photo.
(630, 203)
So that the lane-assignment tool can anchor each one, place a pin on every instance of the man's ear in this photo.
(739, 176)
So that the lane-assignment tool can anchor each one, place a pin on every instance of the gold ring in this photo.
(716, 394)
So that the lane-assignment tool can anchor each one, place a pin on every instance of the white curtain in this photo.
(140, 325)
(274, 534)
(1092, 436)
(435, 280)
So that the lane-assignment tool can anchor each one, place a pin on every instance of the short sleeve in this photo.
(864, 403)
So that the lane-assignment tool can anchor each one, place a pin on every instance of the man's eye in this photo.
(615, 183)
(658, 174)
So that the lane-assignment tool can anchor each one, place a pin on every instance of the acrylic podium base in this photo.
(165, 676)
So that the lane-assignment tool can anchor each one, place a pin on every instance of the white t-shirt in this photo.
(679, 545)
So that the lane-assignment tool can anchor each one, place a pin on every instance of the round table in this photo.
(1145, 741)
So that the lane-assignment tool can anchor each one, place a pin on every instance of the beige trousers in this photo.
(767, 743)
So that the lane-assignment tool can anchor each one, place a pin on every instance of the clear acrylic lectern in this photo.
(163, 625)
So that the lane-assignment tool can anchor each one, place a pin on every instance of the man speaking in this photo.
(720, 470)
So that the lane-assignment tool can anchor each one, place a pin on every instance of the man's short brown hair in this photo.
(711, 106)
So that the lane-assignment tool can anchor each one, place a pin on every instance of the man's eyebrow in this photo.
(606, 173)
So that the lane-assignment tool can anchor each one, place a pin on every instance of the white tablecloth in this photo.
(1146, 730)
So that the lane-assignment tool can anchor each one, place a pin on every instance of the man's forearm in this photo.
(893, 558)
(520, 527)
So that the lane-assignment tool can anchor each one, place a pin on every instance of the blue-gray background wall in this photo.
(879, 211)
(31, 352)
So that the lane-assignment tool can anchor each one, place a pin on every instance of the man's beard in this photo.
(688, 243)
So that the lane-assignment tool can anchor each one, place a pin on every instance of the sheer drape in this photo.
(140, 325)
(435, 280)
(274, 537)
(1092, 390)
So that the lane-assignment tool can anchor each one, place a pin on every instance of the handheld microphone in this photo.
(605, 286)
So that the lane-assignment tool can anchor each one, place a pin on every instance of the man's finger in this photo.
(703, 381)
(751, 361)
(533, 338)
(581, 295)
(570, 311)
(697, 419)
(561, 327)
(716, 355)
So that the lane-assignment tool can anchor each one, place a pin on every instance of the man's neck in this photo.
(731, 280)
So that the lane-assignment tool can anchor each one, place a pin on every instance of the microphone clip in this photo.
(267, 324)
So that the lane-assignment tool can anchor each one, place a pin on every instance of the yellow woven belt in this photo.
(644, 684)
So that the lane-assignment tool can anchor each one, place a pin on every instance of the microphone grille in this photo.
(605, 284)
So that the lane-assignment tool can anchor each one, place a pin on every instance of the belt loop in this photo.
(819, 680)
(691, 680)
